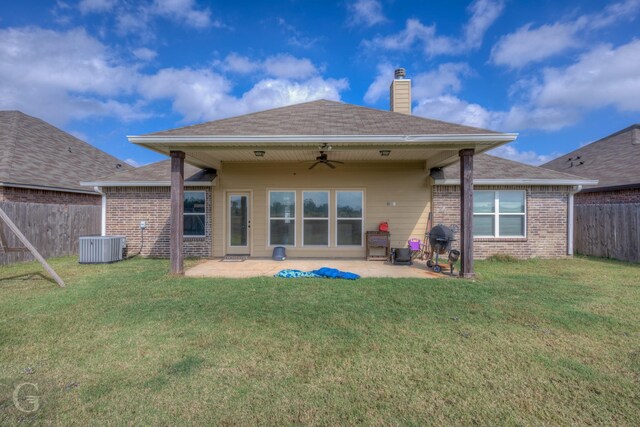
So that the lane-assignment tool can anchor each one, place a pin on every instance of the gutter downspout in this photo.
(570, 215)
(103, 221)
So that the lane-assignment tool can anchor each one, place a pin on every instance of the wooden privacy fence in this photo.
(53, 229)
(610, 231)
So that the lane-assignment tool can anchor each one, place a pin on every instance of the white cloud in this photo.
(483, 15)
(184, 11)
(447, 78)
(380, 86)
(270, 93)
(93, 6)
(453, 109)
(531, 44)
(200, 94)
(145, 54)
(604, 76)
(138, 17)
(239, 64)
(196, 94)
(287, 66)
(528, 45)
(60, 76)
(510, 152)
(366, 12)
(281, 65)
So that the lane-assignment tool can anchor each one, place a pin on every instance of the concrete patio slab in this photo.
(256, 267)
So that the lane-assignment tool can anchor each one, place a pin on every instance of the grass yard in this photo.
(535, 342)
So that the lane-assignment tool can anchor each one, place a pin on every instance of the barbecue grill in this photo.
(440, 239)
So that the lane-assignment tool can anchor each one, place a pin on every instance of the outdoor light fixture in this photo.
(259, 153)
(385, 153)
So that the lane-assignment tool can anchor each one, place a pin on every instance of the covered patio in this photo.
(257, 154)
(267, 268)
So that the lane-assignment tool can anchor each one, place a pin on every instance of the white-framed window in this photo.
(315, 218)
(499, 213)
(282, 218)
(349, 218)
(195, 215)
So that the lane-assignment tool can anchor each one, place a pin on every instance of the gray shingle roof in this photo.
(486, 166)
(33, 152)
(613, 160)
(323, 117)
(160, 172)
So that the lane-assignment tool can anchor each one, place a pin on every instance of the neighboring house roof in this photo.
(323, 117)
(613, 160)
(155, 175)
(35, 154)
(492, 170)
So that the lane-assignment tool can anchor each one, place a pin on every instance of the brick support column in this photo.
(177, 213)
(466, 212)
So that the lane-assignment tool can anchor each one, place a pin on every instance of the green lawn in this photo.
(535, 342)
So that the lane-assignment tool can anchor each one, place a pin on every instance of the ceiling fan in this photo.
(322, 158)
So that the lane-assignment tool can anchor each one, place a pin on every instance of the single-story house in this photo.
(314, 177)
(41, 168)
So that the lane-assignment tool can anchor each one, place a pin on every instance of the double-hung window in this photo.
(282, 218)
(194, 213)
(315, 218)
(499, 213)
(349, 218)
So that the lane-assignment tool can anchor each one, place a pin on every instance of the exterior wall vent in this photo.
(101, 249)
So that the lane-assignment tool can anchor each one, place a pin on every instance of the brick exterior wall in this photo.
(546, 222)
(127, 206)
(28, 195)
(608, 197)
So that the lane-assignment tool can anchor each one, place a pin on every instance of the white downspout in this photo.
(103, 223)
(570, 215)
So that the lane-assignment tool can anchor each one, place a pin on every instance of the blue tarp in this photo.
(326, 272)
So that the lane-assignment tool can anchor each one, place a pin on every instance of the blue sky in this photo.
(561, 73)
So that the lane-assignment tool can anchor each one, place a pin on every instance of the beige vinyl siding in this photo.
(401, 96)
(382, 183)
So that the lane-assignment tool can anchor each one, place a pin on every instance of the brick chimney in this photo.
(400, 92)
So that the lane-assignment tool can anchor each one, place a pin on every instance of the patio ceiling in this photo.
(213, 152)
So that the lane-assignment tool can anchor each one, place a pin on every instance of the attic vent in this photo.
(118, 165)
(69, 149)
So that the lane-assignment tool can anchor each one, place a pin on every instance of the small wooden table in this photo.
(380, 240)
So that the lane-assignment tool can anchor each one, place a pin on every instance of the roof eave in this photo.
(523, 181)
(47, 188)
(145, 184)
(314, 139)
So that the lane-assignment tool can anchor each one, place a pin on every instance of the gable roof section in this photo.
(155, 175)
(323, 117)
(492, 170)
(613, 160)
(34, 153)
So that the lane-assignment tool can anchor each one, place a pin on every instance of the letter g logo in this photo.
(32, 401)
